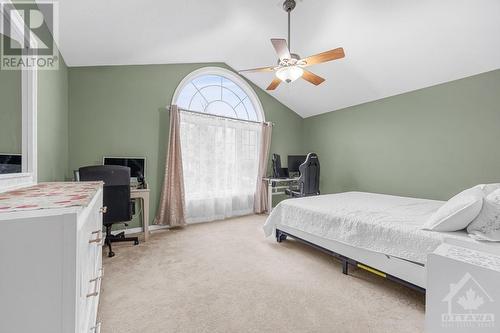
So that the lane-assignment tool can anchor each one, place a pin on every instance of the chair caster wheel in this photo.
(136, 242)
(280, 238)
(111, 254)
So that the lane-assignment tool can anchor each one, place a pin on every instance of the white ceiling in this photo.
(392, 46)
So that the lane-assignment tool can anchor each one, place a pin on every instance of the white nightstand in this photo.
(463, 290)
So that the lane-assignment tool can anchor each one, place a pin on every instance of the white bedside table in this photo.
(463, 290)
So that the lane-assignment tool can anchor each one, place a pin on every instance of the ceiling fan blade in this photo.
(259, 69)
(276, 82)
(313, 78)
(281, 48)
(324, 57)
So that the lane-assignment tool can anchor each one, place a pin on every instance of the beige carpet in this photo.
(225, 277)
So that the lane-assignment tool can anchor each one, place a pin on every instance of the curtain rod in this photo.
(223, 117)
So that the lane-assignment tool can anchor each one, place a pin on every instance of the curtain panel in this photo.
(171, 210)
(261, 196)
(220, 164)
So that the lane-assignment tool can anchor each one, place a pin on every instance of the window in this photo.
(220, 155)
(219, 92)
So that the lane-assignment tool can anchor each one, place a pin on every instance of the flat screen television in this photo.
(137, 165)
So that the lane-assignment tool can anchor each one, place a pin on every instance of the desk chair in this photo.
(309, 178)
(116, 197)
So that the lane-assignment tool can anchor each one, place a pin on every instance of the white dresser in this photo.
(51, 258)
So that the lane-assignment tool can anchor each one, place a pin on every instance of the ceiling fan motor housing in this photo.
(293, 60)
(289, 5)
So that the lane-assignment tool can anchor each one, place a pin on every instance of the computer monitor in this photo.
(294, 161)
(10, 163)
(137, 165)
(278, 171)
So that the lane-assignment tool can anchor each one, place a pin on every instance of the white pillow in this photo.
(457, 212)
(488, 188)
(486, 226)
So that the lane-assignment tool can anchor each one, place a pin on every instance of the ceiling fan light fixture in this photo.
(290, 65)
(289, 74)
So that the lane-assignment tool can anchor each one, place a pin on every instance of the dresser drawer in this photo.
(89, 263)
(94, 295)
(92, 302)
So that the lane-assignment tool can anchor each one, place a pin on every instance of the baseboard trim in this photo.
(155, 227)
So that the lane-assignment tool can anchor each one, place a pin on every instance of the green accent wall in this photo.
(53, 114)
(120, 111)
(429, 143)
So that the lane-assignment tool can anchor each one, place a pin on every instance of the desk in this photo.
(272, 184)
(143, 195)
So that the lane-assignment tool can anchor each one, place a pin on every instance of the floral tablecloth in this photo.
(49, 195)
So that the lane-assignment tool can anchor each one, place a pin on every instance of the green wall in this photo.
(52, 120)
(119, 111)
(429, 143)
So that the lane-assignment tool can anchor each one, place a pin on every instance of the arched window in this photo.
(220, 92)
(220, 129)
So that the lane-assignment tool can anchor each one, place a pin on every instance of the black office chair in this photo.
(116, 197)
(309, 178)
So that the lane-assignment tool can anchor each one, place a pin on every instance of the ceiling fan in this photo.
(290, 66)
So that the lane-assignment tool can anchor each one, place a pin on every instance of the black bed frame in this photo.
(282, 235)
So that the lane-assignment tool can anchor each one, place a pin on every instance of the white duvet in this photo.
(376, 222)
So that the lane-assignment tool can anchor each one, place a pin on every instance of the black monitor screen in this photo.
(136, 165)
(294, 161)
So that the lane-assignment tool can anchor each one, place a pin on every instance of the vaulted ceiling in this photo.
(392, 46)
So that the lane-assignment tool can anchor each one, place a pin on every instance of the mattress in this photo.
(376, 222)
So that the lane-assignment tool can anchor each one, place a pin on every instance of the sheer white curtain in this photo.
(220, 161)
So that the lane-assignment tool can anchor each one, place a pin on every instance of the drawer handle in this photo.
(96, 328)
(103, 209)
(97, 284)
(99, 276)
(99, 239)
(101, 272)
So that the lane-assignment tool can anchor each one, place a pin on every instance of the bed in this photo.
(377, 232)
